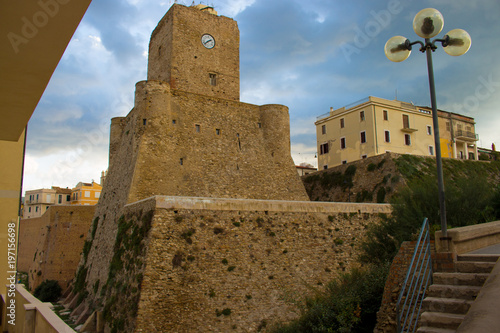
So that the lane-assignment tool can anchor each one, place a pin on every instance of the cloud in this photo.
(290, 53)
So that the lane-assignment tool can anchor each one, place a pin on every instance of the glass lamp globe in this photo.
(428, 23)
(396, 49)
(459, 42)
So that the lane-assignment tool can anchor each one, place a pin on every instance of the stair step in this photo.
(469, 279)
(478, 257)
(446, 305)
(450, 291)
(441, 320)
(425, 329)
(474, 266)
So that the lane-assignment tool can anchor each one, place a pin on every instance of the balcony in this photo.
(466, 135)
(408, 129)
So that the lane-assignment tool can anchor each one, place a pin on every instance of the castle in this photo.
(203, 224)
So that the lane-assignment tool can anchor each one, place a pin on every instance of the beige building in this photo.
(374, 126)
(36, 202)
(303, 170)
(458, 136)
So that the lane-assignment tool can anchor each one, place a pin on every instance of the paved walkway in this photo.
(493, 249)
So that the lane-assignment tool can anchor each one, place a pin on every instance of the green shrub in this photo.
(349, 304)
(48, 291)
(371, 167)
(381, 195)
(469, 200)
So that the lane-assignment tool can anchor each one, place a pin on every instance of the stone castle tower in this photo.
(199, 180)
(188, 134)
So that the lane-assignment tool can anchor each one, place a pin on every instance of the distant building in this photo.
(86, 193)
(305, 170)
(36, 202)
(488, 154)
(374, 126)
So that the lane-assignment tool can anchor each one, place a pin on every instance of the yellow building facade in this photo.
(86, 193)
(374, 126)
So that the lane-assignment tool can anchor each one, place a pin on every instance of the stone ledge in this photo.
(470, 238)
(197, 203)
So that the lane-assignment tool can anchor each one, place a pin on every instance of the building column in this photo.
(455, 149)
(466, 146)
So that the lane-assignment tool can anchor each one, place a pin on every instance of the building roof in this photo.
(29, 54)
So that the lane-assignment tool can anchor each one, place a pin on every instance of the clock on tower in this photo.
(195, 50)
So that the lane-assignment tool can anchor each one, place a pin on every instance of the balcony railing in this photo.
(466, 135)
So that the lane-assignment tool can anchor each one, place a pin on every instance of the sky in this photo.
(308, 55)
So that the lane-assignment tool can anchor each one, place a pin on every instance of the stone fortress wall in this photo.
(214, 265)
(50, 246)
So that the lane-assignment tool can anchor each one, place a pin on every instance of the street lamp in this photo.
(428, 23)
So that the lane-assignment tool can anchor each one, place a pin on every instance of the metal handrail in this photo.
(417, 280)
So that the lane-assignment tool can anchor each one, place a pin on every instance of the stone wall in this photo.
(50, 246)
(224, 264)
(375, 179)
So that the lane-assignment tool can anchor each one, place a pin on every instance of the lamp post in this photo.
(428, 23)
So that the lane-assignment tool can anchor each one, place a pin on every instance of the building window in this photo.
(87, 194)
(362, 116)
(459, 128)
(325, 167)
(173, 121)
(323, 149)
(429, 130)
(68, 197)
(213, 79)
(364, 156)
(323, 129)
(144, 121)
(217, 131)
(342, 143)
(181, 161)
(386, 115)
(36, 209)
(431, 150)
(342, 123)
(29, 209)
(49, 198)
(344, 162)
(448, 127)
(363, 137)
(260, 125)
(97, 195)
(406, 121)
(387, 136)
(197, 127)
(407, 139)
(60, 199)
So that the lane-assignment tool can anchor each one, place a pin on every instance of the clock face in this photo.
(208, 41)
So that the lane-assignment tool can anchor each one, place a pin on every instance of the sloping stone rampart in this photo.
(207, 257)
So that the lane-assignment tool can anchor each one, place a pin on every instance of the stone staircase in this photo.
(451, 294)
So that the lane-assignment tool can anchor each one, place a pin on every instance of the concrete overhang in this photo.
(34, 35)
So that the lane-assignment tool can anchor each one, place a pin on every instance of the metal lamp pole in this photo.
(428, 23)
(437, 140)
